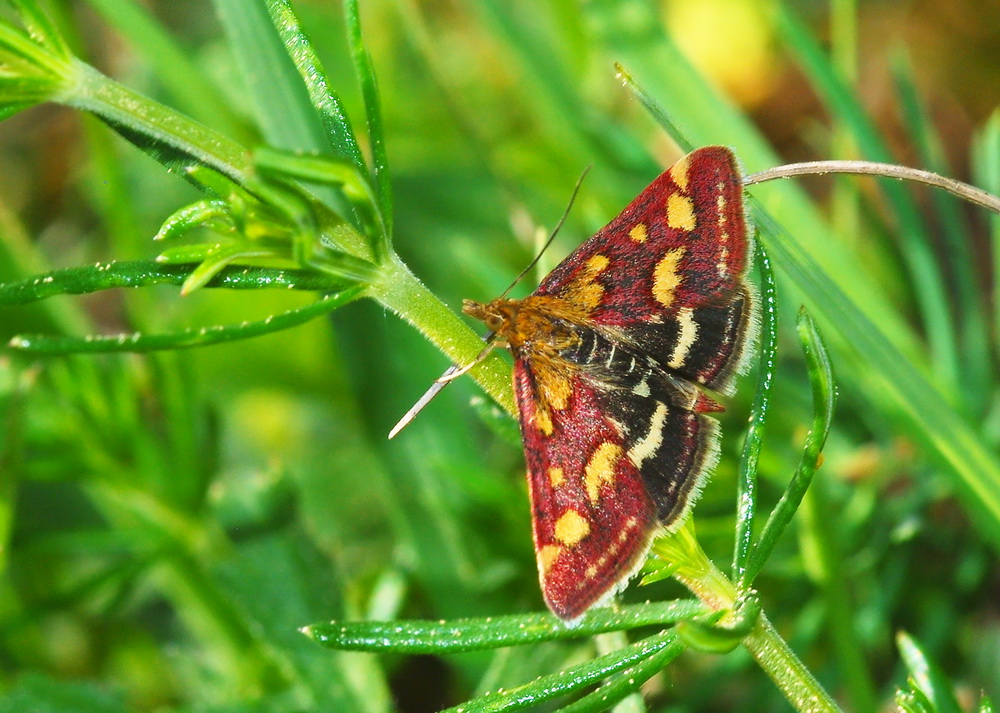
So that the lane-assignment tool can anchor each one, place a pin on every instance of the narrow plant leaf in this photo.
(25, 54)
(324, 98)
(546, 688)
(185, 339)
(191, 89)
(41, 28)
(182, 254)
(174, 140)
(624, 683)
(267, 42)
(746, 493)
(215, 259)
(365, 73)
(986, 168)
(140, 273)
(824, 398)
(927, 675)
(914, 700)
(492, 632)
(280, 103)
(318, 169)
(194, 215)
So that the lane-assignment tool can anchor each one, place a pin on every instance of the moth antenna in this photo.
(454, 371)
(552, 235)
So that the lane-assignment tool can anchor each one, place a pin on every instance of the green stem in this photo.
(699, 574)
(774, 656)
(397, 289)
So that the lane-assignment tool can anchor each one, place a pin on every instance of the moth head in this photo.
(495, 314)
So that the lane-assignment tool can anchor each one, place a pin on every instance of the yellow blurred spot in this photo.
(729, 41)
(547, 556)
(638, 233)
(601, 469)
(571, 527)
(666, 277)
(680, 212)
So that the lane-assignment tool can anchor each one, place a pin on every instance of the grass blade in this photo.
(929, 291)
(977, 375)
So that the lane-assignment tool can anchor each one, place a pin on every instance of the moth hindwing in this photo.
(611, 356)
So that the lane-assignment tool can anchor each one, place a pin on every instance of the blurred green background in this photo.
(170, 520)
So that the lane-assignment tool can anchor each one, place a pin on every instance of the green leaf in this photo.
(209, 213)
(492, 632)
(141, 273)
(746, 493)
(365, 73)
(41, 28)
(184, 339)
(546, 688)
(174, 140)
(191, 88)
(323, 96)
(926, 676)
(824, 393)
(977, 377)
(623, 683)
(213, 260)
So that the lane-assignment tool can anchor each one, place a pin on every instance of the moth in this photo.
(618, 357)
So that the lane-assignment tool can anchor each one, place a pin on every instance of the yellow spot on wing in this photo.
(554, 390)
(666, 277)
(543, 422)
(601, 469)
(547, 556)
(680, 212)
(685, 338)
(556, 477)
(571, 527)
(638, 233)
(583, 292)
(679, 172)
(596, 264)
